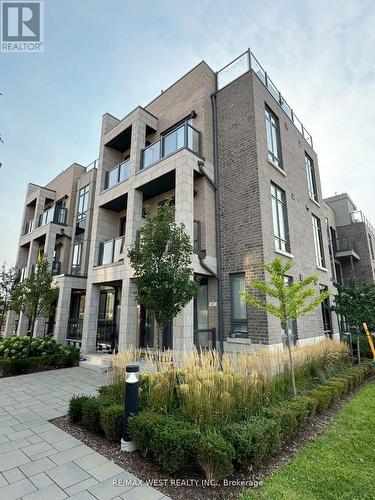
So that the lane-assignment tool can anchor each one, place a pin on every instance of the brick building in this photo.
(244, 178)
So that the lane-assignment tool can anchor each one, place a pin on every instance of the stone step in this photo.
(93, 366)
(98, 359)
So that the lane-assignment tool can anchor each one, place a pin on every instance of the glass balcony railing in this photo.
(117, 174)
(55, 214)
(29, 226)
(183, 136)
(111, 251)
(246, 62)
(358, 216)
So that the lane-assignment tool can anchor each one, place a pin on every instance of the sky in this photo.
(110, 56)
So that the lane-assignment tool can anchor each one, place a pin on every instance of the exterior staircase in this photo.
(98, 362)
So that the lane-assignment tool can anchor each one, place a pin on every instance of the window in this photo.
(291, 325)
(326, 312)
(311, 181)
(371, 247)
(273, 138)
(122, 226)
(77, 255)
(318, 241)
(280, 219)
(238, 306)
(83, 202)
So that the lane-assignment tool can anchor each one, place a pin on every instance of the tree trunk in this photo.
(159, 342)
(358, 347)
(291, 366)
(31, 336)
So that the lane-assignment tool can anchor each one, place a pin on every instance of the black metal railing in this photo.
(344, 245)
(183, 136)
(205, 338)
(106, 335)
(74, 329)
(56, 267)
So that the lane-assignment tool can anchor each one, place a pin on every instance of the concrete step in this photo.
(98, 359)
(93, 366)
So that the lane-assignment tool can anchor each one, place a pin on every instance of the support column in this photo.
(183, 324)
(90, 321)
(10, 324)
(62, 311)
(40, 327)
(128, 314)
(49, 246)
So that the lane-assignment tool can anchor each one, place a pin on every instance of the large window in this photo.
(318, 241)
(83, 202)
(238, 306)
(77, 256)
(291, 326)
(311, 180)
(326, 312)
(273, 138)
(280, 218)
(371, 247)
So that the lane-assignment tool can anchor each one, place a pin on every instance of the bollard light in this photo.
(130, 404)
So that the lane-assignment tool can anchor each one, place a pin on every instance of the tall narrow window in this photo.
(311, 180)
(273, 138)
(77, 255)
(280, 218)
(83, 202)
(371, 247)
(238, 306)
(318, 241)
(326, 312)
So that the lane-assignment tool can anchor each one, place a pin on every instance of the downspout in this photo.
(217, 223)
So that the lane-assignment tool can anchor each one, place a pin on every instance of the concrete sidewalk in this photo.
(40, 461)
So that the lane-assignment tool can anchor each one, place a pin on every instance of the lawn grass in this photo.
(338, 465)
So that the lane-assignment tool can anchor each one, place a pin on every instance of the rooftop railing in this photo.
(183, 136)
(117, 174)
(358, 216)
(246, 62)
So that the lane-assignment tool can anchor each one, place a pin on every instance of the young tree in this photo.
(286, 301)
(357, 305)
(34, 296)
(8, 277)
(161, 258)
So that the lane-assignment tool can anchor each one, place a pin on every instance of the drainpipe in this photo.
(215, 185)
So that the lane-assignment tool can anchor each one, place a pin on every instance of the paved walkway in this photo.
(40, 461)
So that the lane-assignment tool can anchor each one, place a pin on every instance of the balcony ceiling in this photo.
(158, 186)
(122, 141)
(117, 204)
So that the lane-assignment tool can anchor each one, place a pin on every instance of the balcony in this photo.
(345, 247)
(74, 330)
(56, 268)
(119, 173)
(29, 226)
(183, 136)
(111, 251)
(55, 214)
(246, 62)
(358, 216)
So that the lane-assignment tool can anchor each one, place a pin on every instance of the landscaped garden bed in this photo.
(19, 356)
(213, 418)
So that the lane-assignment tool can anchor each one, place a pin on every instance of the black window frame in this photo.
(280, 241)
(82, 193)
(274, 130)
(311, 178)
(237, 321)
(289, 280)
(317, 229)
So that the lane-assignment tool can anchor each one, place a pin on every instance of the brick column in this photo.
(183, 324)
(128, 313)
(90, 321)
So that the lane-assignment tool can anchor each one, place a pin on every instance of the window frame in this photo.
(83, 194)
(371, 246)
(280, 241)
(311, 178)
(77, 265)
(318, 241)
(233, 320)
(292, 323)
(273, 138)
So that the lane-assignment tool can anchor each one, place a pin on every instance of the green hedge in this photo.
(20, 366)
(111, 421)
(91, 408)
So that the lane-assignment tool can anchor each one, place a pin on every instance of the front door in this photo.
(326, 313)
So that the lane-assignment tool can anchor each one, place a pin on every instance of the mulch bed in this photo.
(185, 484)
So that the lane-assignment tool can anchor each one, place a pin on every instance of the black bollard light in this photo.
(130, 404)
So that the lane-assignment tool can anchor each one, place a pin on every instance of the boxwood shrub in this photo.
(91, 412)
(111, 421)
(215, 455)
(75, 408)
